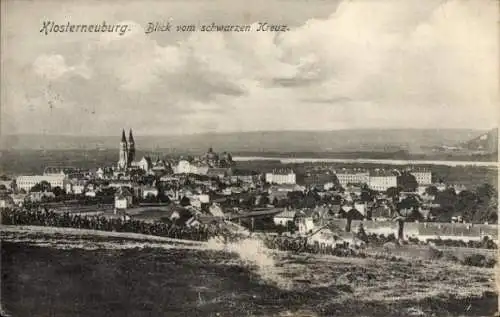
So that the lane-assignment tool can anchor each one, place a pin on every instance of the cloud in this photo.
(52, 67)
(368, 64)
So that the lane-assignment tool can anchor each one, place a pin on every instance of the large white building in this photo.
(352, 176)
(184, 167)
(28, 182)
(381, 180)
(281, 176)
(423, 177)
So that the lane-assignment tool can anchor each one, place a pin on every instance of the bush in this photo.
(478, 260)
(40, 217)
(382, 238)
(413, 240)
(483, 244)
(391, 237)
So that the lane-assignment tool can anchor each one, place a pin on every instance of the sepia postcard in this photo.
(263, 158)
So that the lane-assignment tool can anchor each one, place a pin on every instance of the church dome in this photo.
(211, 155)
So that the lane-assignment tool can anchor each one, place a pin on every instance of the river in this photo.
(368, 161)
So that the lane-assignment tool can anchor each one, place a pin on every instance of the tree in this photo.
(351, 215)
(409, 209)
(162, 197)
(367, 195)
(407, 182)
(262, 200)
(487, 204)
(447, 199)
(441, 215)
(58, 191)
(393, 192)
(485, 190)
(431, 190)
(467, 204)
(409, 203)
(487, 214)
(150, 197)
(275, 201)
(401, 225)
(43, 186)
(185, 202)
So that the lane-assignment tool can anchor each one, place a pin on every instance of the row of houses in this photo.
(308, 220)
(355, 210)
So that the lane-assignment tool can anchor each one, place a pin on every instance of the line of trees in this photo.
(476, 206)
(43, 217)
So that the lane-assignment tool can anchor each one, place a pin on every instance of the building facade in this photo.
(282, 176)
(423, 177)
(352, 176)
(382, 180)
(185, 167)
(28, 182)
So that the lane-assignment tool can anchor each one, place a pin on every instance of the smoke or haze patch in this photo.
(253, 252)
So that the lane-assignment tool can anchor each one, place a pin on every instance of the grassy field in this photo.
(64, 273)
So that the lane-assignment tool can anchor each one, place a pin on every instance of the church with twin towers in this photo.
(127, 151)
(127, 160)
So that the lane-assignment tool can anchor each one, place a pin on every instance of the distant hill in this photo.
(486, 142)
(410, 140)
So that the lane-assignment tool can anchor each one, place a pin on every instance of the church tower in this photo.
(131, 148)
(123, 156)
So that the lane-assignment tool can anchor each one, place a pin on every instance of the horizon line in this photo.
(256, 131)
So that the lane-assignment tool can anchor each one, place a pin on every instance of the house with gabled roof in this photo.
(123, 198)
(284, 217)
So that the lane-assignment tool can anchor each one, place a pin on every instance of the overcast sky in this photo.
(346, 64)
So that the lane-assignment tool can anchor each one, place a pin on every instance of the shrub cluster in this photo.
(40, 217)
(486, 243)
(479, 260)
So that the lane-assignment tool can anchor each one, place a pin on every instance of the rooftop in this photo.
(283, 171)
(383, 173)
(351, 171)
